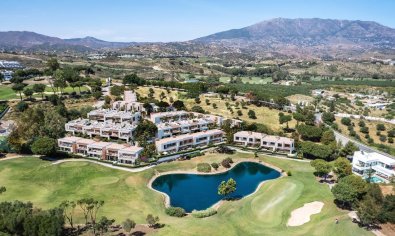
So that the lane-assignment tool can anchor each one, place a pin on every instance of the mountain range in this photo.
(291, 37)
(25, 40)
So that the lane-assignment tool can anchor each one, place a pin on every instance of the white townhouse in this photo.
(106, 129)
(129, 155)
(114, 116)
(162, 117)
(170, 129)
(123, 153)
(249, 138)
(380, 166)
(98, 150)
(187, 141)
(128, 106)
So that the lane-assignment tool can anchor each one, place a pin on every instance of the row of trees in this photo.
(193, 89)
(18, 218)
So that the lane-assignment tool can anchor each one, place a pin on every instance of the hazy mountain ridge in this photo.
(25, 40)
(280, 37)
(307, 30)
(304, 37)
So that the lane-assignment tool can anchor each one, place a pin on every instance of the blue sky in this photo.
(173, 20)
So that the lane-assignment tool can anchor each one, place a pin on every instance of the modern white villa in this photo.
(255, 139)
(188, 141)
(122, 153)
(380, 166)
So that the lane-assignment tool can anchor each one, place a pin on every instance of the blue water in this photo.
(375, 179)
(199, 192)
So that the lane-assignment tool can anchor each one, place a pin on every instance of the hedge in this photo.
(204, 167)
(175, 211)
(204, 213)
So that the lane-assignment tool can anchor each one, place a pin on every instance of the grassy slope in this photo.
(7, 93)
(126, 195)
(264, 115)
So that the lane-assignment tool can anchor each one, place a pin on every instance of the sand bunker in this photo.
(302, 215)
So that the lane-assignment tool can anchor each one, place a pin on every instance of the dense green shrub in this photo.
(364, 130)
(313, 151)
(380, 127)
(214, 165)
(195, 154)
(346, 121)
(328, 117)
(203, 167)
(204, 213)
(309, 132)
(21, 106)
(175, 211)
(227, 162)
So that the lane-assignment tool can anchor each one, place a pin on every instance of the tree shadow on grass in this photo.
(138, 233)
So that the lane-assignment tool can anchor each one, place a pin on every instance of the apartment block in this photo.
(106, 129)
(255, 139)
(187, 141)
(114, 116)
(122, 153)
(162, 117)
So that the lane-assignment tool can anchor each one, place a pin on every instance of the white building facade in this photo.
(261, 140)
(122, 153)
(189, 141)
(373, 164)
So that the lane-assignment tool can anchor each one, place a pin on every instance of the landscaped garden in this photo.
(127, 195)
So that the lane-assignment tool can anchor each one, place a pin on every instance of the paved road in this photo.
(381, 119)
(343, 139)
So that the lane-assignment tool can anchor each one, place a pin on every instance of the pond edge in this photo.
(166, 199)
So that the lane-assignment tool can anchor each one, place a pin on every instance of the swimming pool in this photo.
(375, 179)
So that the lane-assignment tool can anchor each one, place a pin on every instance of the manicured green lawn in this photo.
(7, 93)
(126, 195)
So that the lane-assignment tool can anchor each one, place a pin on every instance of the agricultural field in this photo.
(372, 128)
(126, 195)
(297, 98)
(248, 80)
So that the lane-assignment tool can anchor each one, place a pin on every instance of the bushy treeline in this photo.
(262, 71)
(268, 92)
(18, 218)
(373, 83)
(193, 89)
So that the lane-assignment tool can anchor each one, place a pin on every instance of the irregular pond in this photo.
(199, 192)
